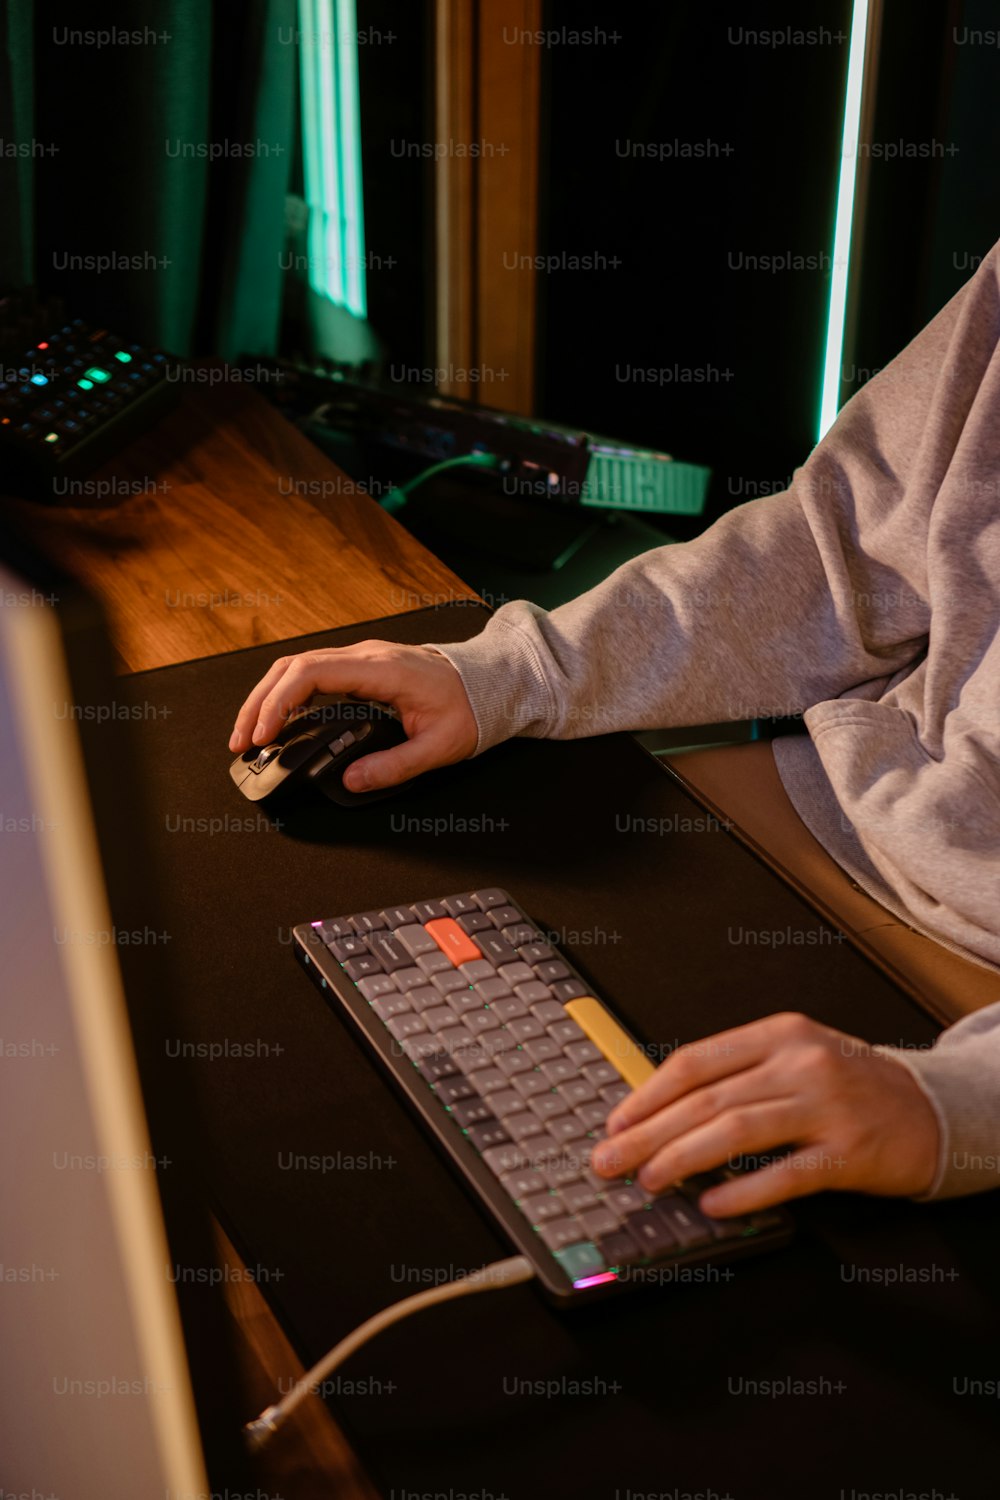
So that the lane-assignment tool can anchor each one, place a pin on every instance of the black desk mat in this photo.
(877, 1318)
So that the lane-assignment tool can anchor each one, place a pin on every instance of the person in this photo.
(866, 596)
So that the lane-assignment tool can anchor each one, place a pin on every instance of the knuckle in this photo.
(379, 650)
(793, 1025)
(682, 1064)
(737, 1121)
(299, 665)
(710, 1101)
(816, 1063)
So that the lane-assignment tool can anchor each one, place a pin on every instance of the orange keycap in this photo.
(452, 940)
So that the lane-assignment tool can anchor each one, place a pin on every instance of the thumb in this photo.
(385, 768)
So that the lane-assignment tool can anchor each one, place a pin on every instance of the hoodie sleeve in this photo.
(784, 602)
(960, 1075)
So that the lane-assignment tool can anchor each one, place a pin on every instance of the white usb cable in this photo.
(501, 1273)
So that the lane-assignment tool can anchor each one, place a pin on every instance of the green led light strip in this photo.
(331, 151)
(830, 399)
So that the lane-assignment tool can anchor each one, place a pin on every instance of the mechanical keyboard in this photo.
(70, 401)
(513, 1063)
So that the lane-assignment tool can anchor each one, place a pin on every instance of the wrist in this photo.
(924, 1135)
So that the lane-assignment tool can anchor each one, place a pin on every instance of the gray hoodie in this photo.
(867, 598)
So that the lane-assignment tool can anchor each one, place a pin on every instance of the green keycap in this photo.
(581, 1259)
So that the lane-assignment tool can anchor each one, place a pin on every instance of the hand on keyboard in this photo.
(514, 1063)
(420, 683)
(855, 1119)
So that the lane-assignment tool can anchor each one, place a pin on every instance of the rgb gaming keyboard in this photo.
(514, 1063)
(71, 400)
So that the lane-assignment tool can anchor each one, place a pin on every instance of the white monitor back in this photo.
(95, 1396)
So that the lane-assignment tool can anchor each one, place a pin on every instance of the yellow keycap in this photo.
(604, 1031)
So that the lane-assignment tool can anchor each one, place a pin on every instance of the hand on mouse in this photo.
(854, 1118)
(417, 681)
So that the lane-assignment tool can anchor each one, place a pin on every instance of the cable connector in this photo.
(259, 1432)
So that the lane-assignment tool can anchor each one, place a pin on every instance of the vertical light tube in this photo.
(349, 140)
(833, 356)
(331, 150)
(309, 71)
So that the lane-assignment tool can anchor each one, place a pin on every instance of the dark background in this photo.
(667, 73)
(683, 72)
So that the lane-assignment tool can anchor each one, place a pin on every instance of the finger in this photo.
(745, 1130)
(805, 1171)
(390, 767)
(240, 739)
(326, 672)
(628, 1149)
(693, 1066)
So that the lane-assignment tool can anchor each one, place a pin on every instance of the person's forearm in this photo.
(741, 623)
(783, 603)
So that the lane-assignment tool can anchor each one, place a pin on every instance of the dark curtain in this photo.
(153, 198)
(16, 130)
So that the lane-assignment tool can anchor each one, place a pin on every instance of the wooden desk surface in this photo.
(225, 527)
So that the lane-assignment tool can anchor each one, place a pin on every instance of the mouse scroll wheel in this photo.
(346, 740)
(265, 757)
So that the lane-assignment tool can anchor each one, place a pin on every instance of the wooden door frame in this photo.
(487, 86)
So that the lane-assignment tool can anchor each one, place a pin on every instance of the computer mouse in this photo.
(314, 749)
